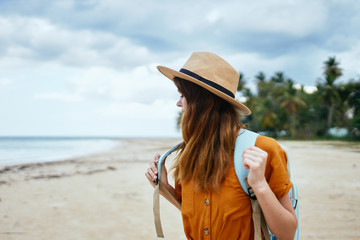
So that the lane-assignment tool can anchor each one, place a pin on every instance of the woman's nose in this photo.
(179, 103)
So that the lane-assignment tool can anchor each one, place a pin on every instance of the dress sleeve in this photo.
(276, 172)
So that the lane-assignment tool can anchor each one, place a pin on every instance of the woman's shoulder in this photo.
(268, 144)
(276, 166)
(265, 142)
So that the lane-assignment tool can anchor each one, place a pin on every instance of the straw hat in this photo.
(212, 73)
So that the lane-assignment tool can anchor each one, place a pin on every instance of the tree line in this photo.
(281, 108)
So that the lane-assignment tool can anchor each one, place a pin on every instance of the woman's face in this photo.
(181, 102)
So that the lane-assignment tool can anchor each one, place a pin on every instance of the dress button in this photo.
(206, 231)
(207, 202)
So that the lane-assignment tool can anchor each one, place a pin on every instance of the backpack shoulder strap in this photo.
(244, 140)
(160, 188)
(164, 156)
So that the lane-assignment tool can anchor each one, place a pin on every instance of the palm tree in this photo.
(328, 90)
(260, 77)
(292, 103)
(278, 78)
(332, 68)
(269, 118)
(241, 83)
(261, 84)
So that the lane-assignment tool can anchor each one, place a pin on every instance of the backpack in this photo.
(244, 140)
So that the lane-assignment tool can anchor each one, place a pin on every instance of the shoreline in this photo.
(28, 150)
(105, 160)
(116, 143)
(106, 195)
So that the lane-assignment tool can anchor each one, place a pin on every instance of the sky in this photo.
(88, 68)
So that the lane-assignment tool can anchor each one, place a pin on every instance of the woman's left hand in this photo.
(254, 159)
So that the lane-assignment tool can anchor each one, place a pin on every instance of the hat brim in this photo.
(170, 73)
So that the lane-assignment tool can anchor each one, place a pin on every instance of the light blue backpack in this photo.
(244, 140)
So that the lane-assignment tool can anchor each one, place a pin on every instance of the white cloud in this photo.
(307, 89)
(143, 84)
(143, 119)
(63, 97)
(140, 84)
(5, 82)
(156, 110)
(213, 16)
(289, 17)
(42, 40)
(350, 62)
(293, 18)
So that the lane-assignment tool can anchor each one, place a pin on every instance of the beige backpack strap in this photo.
(160, 188)
(256, 219)
(259, 221)
(166, 194)
(156, 209)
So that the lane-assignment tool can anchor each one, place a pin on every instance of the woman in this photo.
(214, 205)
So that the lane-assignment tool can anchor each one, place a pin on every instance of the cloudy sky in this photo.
(88, 67)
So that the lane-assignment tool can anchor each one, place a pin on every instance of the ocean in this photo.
(17, 150)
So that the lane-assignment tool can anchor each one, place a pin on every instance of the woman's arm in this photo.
(279, 214)
(151, 175)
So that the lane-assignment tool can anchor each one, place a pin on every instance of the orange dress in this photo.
(227, 214)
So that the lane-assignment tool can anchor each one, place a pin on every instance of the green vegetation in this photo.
(282, 110)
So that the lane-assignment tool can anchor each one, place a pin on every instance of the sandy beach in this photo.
(106, 196)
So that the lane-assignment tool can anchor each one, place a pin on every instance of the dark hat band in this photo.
(208, 82)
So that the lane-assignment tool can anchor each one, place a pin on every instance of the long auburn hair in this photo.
(209, 126)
